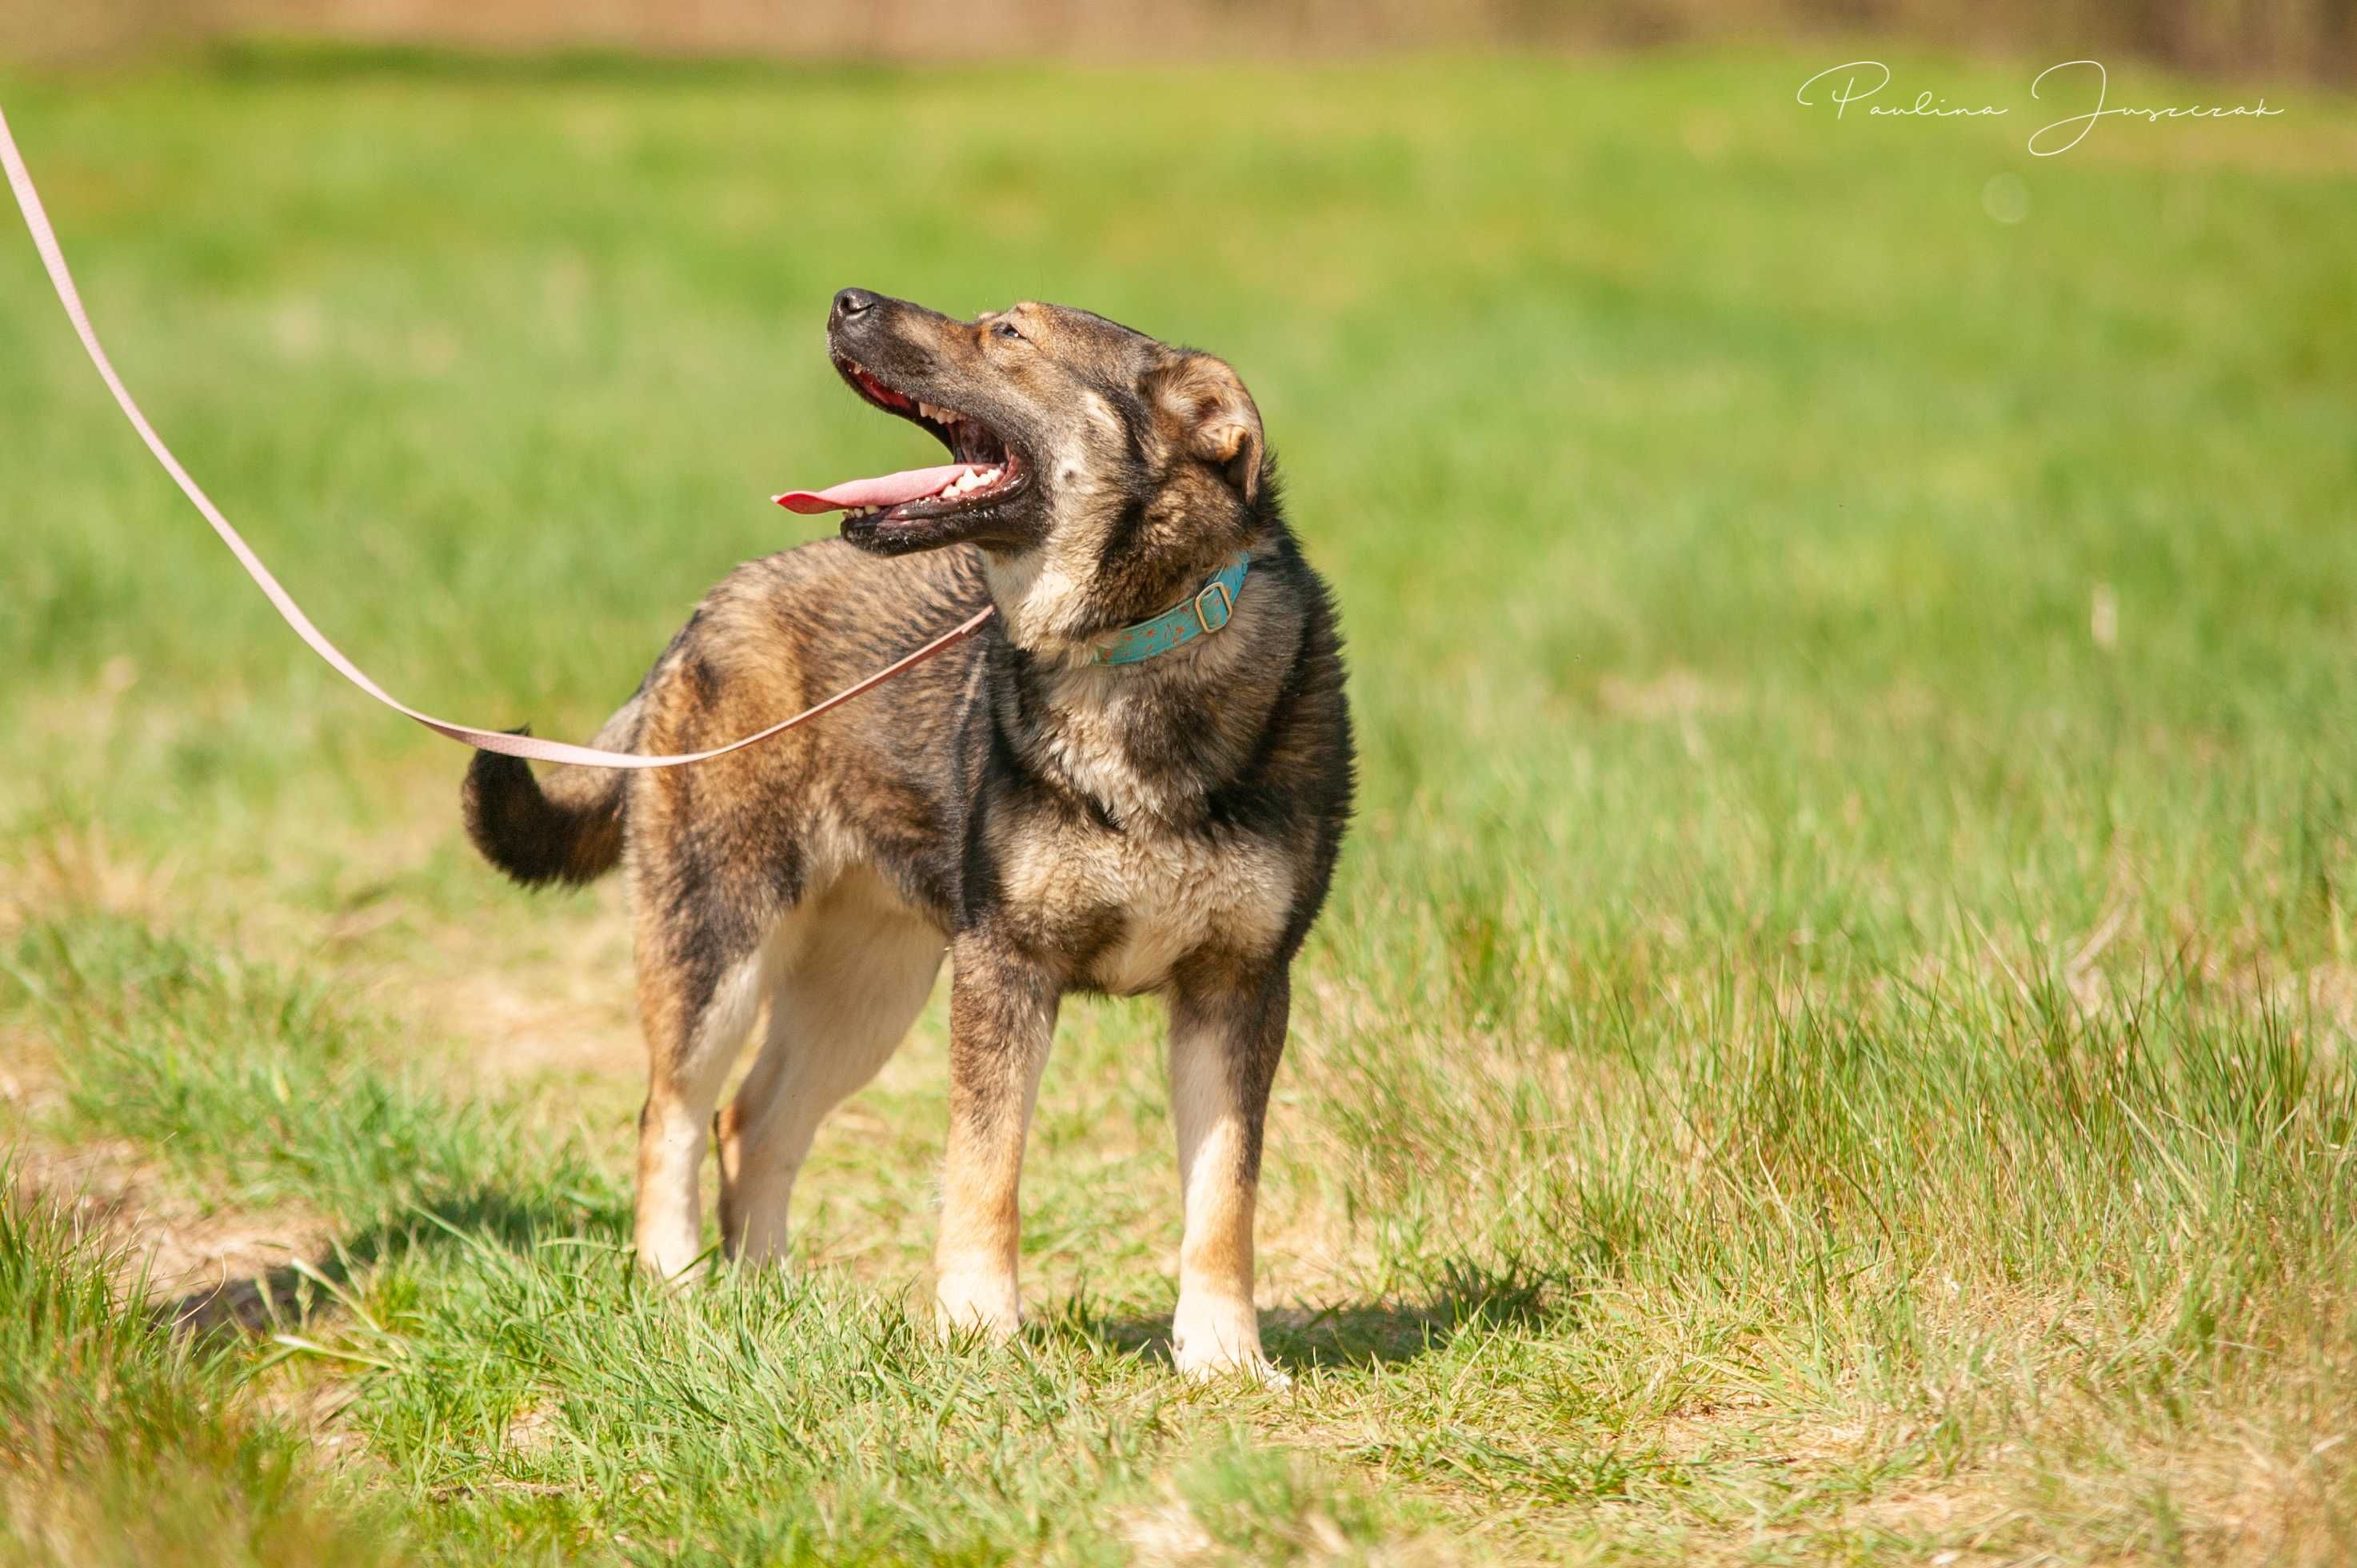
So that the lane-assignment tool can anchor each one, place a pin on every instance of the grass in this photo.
(1832, 1041)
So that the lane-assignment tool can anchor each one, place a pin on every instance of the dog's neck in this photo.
(1059, 603)
(1106, 732)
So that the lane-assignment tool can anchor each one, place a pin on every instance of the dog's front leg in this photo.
(1002, 1015)
(1227, 1031)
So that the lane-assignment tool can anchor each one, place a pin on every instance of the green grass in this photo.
(1833, 1036)
(127, 1444)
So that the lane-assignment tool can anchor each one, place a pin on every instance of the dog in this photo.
(1135, 778)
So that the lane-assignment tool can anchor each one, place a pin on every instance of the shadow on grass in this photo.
(1464, 1297)
(471, 1220)
(1467, 1298)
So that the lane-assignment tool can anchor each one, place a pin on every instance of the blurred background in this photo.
(2314, 40)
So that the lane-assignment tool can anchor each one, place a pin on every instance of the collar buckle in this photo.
(1227, 605)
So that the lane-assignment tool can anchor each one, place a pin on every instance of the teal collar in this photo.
(1183, 622)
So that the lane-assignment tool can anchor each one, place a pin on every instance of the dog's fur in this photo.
(1053, 824)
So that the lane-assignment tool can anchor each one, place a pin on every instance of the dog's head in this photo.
(1065, 429)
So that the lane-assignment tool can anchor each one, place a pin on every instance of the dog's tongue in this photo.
(885, 489)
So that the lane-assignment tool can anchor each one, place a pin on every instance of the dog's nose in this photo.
(853, 302)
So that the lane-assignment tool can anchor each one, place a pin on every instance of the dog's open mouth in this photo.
(986, 471)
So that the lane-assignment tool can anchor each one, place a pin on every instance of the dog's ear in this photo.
(1203, 404)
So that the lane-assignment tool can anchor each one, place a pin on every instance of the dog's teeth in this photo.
(990, 476)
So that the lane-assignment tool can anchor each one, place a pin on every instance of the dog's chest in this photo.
(1127, 897)
(1129, 907)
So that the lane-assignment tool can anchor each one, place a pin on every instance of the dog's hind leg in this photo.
(1226, 1034)
(697, 997)
(839, 1005)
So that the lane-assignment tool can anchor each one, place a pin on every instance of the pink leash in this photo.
(523, 746)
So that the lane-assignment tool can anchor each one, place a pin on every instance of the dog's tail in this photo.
(563, 826)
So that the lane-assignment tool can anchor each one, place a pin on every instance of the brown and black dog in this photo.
(1053, 821)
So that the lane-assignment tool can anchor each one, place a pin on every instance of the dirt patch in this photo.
(202, 1268)
(560, 1004)
(80, 866)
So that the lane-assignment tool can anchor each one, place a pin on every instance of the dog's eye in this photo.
(1008, 329)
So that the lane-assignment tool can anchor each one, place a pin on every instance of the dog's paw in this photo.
(1251, 1365)
(674, 1268)
(969, 1305)
(1221, 1341)
(1255, 1368)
